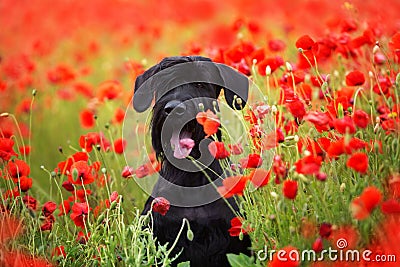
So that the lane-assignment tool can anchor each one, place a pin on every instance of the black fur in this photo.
(210, 222)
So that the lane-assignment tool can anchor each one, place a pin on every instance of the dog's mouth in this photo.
(181, 143)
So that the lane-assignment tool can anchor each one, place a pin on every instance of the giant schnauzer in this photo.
(181, 87)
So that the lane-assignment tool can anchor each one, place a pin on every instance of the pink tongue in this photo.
(179, 144)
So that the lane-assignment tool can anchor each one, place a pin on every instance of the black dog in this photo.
(183, 86)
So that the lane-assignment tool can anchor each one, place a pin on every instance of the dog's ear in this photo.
(236, 85)
(142, 98)
(146, 88)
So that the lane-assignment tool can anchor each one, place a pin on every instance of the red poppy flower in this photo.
(321, 176)
(65, 166)
(305, 92)
(288, 257)
(84, 89)
(47, 224)
(11, 193)
(279, 168)
(252, 161)
(209, 121)
(379, 58)
(316, 148)
(237, 227)
(113, 198)
(349, 233)
(268, 141)
(82, 194)
(272, 62)
(79, 214)
(119, 146)
(6, 149)
(305, 42)
(390, 206)
(251, 117)
(30, 202)
(119, 116)
(218, 150)
(25, 150)
(361, 118)
(142, 171)
(18, 168)
(325, 230)
(81, 173)
(318, 245)
(279, 136)
(355, 78)
(10, 228)
(257, 54)
(17, 258)
(296, 107)
(395, 42)
(87, 119)
(290, 189)
(25, 183)
(259, 177)
(61, 74)
(339, 147)
(48, 208)
(81, 238)
(233, 185)
(309, 165)
(319, 119)
(161, 205)
(394, 185)
(127, 172)
(344, 125)
(60, 251)
(236, 149)
(354, 144)
(362, 206)
(67, 185)
(262, 111)
(276, 45)
(383, 86)
(358, 162)
(90, 140)
(109, 90)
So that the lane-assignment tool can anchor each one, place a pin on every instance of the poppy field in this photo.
(314, 154)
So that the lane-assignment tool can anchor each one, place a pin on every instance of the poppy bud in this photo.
(289, 67)
(201, 106)
(268, 70)
(189, 235)
(342, 187)
(375, 49)
(75, 174)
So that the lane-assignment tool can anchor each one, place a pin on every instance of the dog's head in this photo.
(181, 87)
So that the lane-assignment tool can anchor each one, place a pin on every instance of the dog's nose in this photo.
(175, 106)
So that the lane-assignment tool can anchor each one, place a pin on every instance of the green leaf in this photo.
(241, 260)
(184, 264)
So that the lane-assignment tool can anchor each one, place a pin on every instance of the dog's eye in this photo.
(199, 85)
